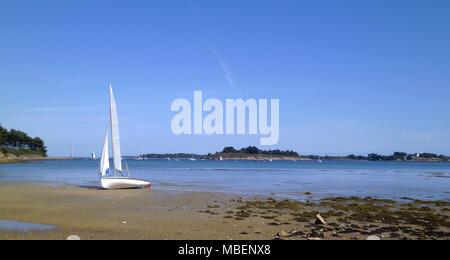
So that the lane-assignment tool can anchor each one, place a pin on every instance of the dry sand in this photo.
(156, 214)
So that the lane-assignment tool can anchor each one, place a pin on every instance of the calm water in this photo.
(23, 226)
(392, 180)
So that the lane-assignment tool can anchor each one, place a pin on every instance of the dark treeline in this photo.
(397, 156)
(18, 140)
(400, 156)
(253, 150)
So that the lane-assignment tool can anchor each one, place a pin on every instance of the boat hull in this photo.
(121, 183)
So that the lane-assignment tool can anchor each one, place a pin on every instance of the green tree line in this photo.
(401, 156)
(255, 150)
(18, 140)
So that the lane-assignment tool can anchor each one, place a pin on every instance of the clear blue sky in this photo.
(352, 76)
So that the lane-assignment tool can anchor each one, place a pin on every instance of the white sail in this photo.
(104, 162)
(115, 133)
(115, 182)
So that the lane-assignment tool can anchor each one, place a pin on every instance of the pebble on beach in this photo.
(73, 238)
(320, 220)
(282, 233)
(373, 238)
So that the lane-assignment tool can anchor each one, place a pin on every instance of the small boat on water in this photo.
(117, 179)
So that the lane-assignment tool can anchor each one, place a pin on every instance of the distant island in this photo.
(16, 145)
(255, 154)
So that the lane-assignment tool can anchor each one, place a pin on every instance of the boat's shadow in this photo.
(91, 187)
(101, 188)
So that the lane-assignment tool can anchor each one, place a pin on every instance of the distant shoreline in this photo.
(304, 158)
(31, 159)
(253, 153)
(205, 158)
(253, 157)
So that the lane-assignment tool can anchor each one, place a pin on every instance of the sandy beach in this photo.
(156, 214)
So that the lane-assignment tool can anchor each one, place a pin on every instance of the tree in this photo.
(429, 155)
(19, 139)
(374, 157)
(251, 150)
(37, 144)
(351, 157)
(229, 150)
(3, 135)
(12, 139)
(400, 156)
(15, 139)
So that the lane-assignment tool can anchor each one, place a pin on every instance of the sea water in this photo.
(284, 179)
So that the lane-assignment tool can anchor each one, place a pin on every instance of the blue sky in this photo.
(351, 76)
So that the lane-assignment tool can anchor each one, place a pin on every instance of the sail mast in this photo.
(115, 133)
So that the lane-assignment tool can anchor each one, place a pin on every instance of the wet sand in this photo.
(156, 214)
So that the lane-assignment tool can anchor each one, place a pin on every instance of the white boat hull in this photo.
(118, 183)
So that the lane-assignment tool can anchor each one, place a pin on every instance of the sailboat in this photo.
(116, 179)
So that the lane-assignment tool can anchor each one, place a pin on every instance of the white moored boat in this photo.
(117, 179)
(117, 183)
